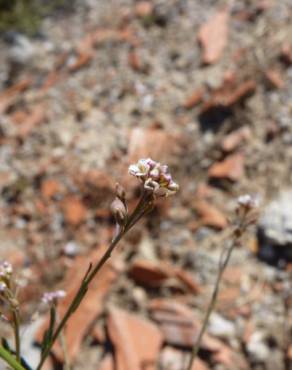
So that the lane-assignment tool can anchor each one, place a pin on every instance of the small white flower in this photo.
(156, 177)
(3, 287)
(155, 173)
(248, 201)
(173, 186)
(50, 297)
(140, 169)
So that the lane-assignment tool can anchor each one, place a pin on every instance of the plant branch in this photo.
(223, 262)
(136, 215)
(16, 333)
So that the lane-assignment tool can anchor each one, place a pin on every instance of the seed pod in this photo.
(119, 211)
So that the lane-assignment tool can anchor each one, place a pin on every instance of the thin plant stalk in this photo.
(156, 182)
(10, 359)
(139, 212)
(16, 333)
(224, 259)
(63, 342)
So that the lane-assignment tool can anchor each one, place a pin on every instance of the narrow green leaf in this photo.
(79, 298)
(10, 359)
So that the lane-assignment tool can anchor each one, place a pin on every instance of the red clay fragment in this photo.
(148, 273)
(107, 363)
(155, 143)
(137, 341)
(286, 53)
(98, 333)
(144, 9)
(8, 96)
(231, 168)
(91, 307)
(178, 323)
(74, 210)
(83, 58)
(204, 191)
(228, 95)
(195, 99)
(235, 139)
(210, 215)
(151, 274)
(289, 352)
(223, 354)
(199, 365)
(274, 79)
(52, 79)
(16, 89)
(187, 280)
(180, 327)
(243, 91)
(135, 61)
(34, 118)
(18, 116)
(213, 36)
(49, 188)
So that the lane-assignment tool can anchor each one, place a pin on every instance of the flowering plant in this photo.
(155, 177)
(156, 182)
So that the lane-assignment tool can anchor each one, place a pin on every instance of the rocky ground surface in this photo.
(204, 86)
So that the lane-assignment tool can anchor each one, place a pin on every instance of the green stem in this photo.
(76, 300)
(16, 333)
(10, 359)
(222, 265)
(136, 215)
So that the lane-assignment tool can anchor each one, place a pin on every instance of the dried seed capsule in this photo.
(119, 211)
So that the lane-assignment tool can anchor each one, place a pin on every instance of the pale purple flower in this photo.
(150, 162)
(50, 297)
(248, 201)
(155, 177)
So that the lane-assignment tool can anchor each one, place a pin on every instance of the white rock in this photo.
(221, 327)
(257, 348)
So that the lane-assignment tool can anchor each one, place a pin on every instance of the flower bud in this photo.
(119, 211)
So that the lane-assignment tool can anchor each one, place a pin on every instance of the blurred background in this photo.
(89, 87)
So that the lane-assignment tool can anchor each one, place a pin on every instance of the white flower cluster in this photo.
(5, 269)
(248, 201)
(50, 297)
(155, 177)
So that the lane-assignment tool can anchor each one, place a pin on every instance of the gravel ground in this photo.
(113, 81)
